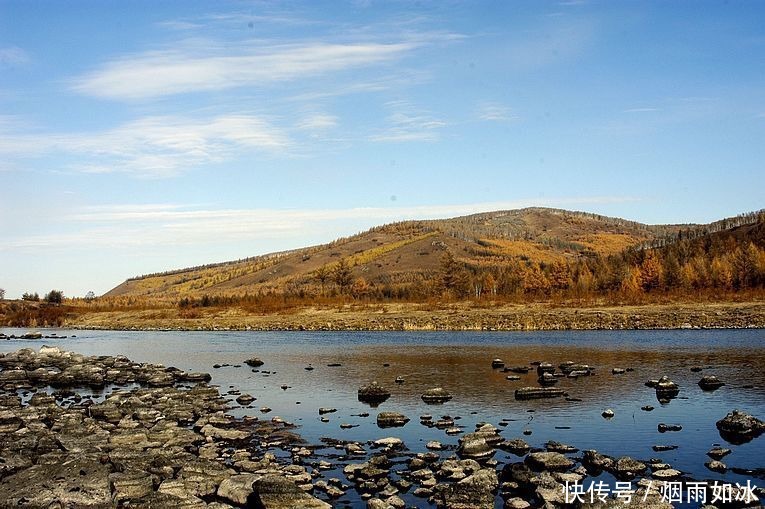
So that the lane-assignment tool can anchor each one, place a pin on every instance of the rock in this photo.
(517, 446)
(663, 428)
(276, 492)
(550, 461)
(391, 442)
(646, 408)
(666, 474)
(716, 466)
(516, 503)
(738, 427)
(391, 419)
(373, 394)
(662, 448)
(618, 371)
(400, 379)
(553, 446)
(666, 388)
(237, 488)
(627, 468)
(130, 486)
(324, 410)
(475, 447)
(245, 399)
(497, 363)
(79, 482)
(512, 378)
(547, 379)
(710, 383)
(475, 491)
(718, 453)
(608, 413)
(545, 367)
(434, 445)
(537, 393)
(596, 462)
(436, 395)
(254, 362)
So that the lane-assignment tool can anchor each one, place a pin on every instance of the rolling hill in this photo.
(413, 252)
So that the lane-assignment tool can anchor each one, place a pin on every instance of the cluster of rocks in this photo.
(33, 335)
(158, 444)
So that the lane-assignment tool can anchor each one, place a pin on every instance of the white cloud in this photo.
(641, 110)
(495, 112)
(196, 69)
(172, 224)
(317, 122)
(154, 146)
(407, 123)
(12, 56)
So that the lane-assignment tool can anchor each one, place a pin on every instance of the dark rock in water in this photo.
(497, 363)
(596, 462)
(436, 395)
(545, 367)
(245, 399)
(31, 335)
(547, 379)
(553, 446)
(607, 413)
(277, 492)
(718, 453)
(373, 394)
(334, 365)
(537, 393)
(666, 389)
(400, 379)
(474, 446)
(662, 448)
(716, 466)
(512, 378)
(518, 369)
(324, 410)
(549, 461)
(618, 371)
(710, 383)
(738, 427)
(663, 428)
(696, 369)
(517, 446)
(647, 408)
(308, 368)
(391, 419)
(254, 362)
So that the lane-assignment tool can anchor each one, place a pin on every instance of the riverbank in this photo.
(461, 316)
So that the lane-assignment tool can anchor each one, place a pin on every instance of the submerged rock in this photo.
(537, 393)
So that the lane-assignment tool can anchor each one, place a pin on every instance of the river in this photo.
(461, 363)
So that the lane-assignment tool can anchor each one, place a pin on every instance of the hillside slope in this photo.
(412, 252)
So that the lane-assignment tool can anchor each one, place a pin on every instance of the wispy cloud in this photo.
(641, 110)
(172, 224)
(11, 56)
(495, 112)
(407, 123)
(153, 146)
(557, 40)
(317, 122)
(162, 73)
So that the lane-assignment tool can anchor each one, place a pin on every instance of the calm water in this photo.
(461, 363)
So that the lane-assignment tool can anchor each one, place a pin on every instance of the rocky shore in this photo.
(104, 431)
(389, 317)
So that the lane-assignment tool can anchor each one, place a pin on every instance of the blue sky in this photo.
(143, 136)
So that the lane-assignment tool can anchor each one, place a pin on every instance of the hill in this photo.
(412, 256)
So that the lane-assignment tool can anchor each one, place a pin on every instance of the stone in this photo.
(666, 388)
(391, 419)
(627, 468)
(373, 394)
(608, 413)
(274, 491)
(550, 461)
(716, 466)
(718, 453)
(237, 488)
(538, 393)
(738, 427)
(254, 362)
(130, 485)
(436, 395)
(475, 491)
(710, 383)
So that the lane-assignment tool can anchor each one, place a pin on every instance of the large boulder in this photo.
(738, 427)
(373, 394)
